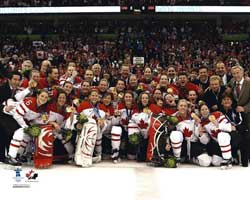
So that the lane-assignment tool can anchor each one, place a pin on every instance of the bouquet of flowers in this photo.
(172, 120)
(81, 119)
(33, 130)
(135, 138)
(66, 134)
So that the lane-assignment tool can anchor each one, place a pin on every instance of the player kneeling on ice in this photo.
(218, 127)
(30, 111)
(57, 116)
(186, 142)
(89, 141)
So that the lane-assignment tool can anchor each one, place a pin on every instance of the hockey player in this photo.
(138, 126)
(109, 110)
(91, 133)
(186, 140)
(218, 127)
(57, 117)
(30, 111)
(122, 115)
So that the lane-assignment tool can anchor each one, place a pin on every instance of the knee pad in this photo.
(216, 160)
(223, 138)
(204, 160)
(116, 130)
(19, 134)
(176, 136)
(133, 128)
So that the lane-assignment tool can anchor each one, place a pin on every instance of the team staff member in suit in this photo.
(241, 93)
(240, 88)
(7, 124)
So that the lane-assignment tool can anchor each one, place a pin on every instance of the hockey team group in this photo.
(80, 119)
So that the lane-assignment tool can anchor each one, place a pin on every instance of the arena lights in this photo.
(54, 10)
(202, 9)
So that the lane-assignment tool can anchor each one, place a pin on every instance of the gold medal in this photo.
(212, 118)
(69, 109)
(76, 101)
(170, 91)
(44, 117)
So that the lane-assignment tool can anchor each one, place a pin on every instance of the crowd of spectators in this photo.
(26, 3)
(187, 45)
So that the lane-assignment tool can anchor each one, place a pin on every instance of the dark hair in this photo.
(203, 67)
(60, 91)
(140, 106)
(120, 80)
(15, 73)
(67, 82)
(50, 69)
(108, 94)
(183, 74)
(41, 91)
(202, 103)
(227, 95)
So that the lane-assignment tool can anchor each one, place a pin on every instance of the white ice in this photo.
(128, 181)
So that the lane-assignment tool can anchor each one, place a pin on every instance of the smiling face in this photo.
(148, 73)
(163, 81)
(182, 80)
(227, 102)
(169, 100)
(128, 99)
(192, 96)
(68, 87)
(15, 81)
(61, 100)
(94, 97)
(42, 98)
(107, 99)
(204, 110)
(183, 107)
(145, 99)
(214, 85)
(237, 73)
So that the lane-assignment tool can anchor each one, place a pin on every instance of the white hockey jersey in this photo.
(125, 116)
(221, 124)
(55, 115)
(29, 112)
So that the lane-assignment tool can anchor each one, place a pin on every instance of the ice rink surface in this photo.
(127, 181)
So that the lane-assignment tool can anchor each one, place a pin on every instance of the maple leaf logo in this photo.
(124, 121)
(214, 133)
(45, 142)
(95, 118)
(187, 133)
(143, 125)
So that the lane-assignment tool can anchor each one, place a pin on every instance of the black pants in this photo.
(8, 126)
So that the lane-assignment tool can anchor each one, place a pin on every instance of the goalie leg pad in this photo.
(86, 144)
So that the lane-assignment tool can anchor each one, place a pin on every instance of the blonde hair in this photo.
(215, 77)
